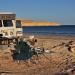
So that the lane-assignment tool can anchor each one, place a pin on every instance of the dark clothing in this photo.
(24, 51)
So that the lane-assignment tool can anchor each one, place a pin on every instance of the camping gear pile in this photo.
(23, 50)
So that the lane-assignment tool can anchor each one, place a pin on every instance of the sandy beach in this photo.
(58, 61)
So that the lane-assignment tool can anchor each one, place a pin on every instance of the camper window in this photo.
(7, 23)
(0, 23)
(18, 24)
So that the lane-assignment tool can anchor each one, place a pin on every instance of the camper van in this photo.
(9, 26)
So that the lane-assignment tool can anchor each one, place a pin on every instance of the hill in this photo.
(26, 22)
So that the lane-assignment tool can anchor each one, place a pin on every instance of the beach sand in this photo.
(58, 61)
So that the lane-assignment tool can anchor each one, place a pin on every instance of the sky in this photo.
(62, 11)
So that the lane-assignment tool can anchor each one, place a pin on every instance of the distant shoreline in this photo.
(26, 22)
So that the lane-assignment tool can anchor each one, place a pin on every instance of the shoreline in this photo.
(50, 36)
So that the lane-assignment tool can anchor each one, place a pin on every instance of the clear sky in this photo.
(62, 11)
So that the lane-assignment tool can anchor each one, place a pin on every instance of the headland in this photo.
(26, 22)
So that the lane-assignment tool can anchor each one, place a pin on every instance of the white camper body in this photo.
(8, 25)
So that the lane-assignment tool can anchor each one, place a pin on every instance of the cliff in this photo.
(37, 23)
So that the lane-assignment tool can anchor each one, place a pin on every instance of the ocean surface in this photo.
(50, 30)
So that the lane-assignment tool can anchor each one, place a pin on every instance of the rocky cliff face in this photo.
(37, 23)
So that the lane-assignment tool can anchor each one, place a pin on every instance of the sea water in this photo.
(50, 30)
